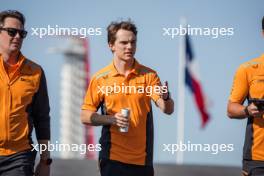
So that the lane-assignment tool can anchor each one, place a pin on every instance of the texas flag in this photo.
(192, 82)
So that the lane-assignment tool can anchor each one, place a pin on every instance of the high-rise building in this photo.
(74, 81)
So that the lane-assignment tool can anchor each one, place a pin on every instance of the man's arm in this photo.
(239, 92)
(44, 155)
(238, 111)
(41, 121)
(92, 118)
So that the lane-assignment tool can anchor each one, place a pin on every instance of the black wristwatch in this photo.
(47, 161)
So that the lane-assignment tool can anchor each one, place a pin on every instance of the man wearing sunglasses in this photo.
(24, 103)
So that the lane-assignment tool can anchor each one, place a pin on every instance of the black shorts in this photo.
(115, 168)
(253, 168)
(21, 164)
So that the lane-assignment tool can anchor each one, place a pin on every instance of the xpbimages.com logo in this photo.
(126, 89)
(192, 147)
(56, 30)
(213, 32)
(58, 147)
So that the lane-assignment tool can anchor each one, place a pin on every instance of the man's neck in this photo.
(10, 58)
(124, 67)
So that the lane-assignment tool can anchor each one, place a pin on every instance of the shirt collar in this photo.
(135, 70)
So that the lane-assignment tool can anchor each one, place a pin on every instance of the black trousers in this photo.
(115, 168)
(19, 164)
(253, 168)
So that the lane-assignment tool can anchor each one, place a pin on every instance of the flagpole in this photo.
(181, 94)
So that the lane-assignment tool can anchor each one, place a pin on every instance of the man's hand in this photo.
(42, 169)
(253, 111)
(166, 94)
(120, 120)
(165, 103)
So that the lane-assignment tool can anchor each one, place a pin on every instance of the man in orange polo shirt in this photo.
(24, 103)
(249, 84)
(125, 83)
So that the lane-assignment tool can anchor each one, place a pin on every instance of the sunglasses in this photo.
(12, 32)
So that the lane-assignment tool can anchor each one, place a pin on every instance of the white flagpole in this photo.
(181, 94)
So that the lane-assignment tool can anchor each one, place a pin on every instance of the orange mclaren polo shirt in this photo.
(24, 104)
(136, 146)
(249, 83)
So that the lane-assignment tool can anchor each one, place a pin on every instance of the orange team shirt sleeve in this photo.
(156, 86)
(93, 96)
(240, 86)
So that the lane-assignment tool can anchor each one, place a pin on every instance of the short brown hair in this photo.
(13, 14)
(115, 26)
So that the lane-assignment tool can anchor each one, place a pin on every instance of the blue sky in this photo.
(218, 58)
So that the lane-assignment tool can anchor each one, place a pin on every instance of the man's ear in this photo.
(111, 46)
